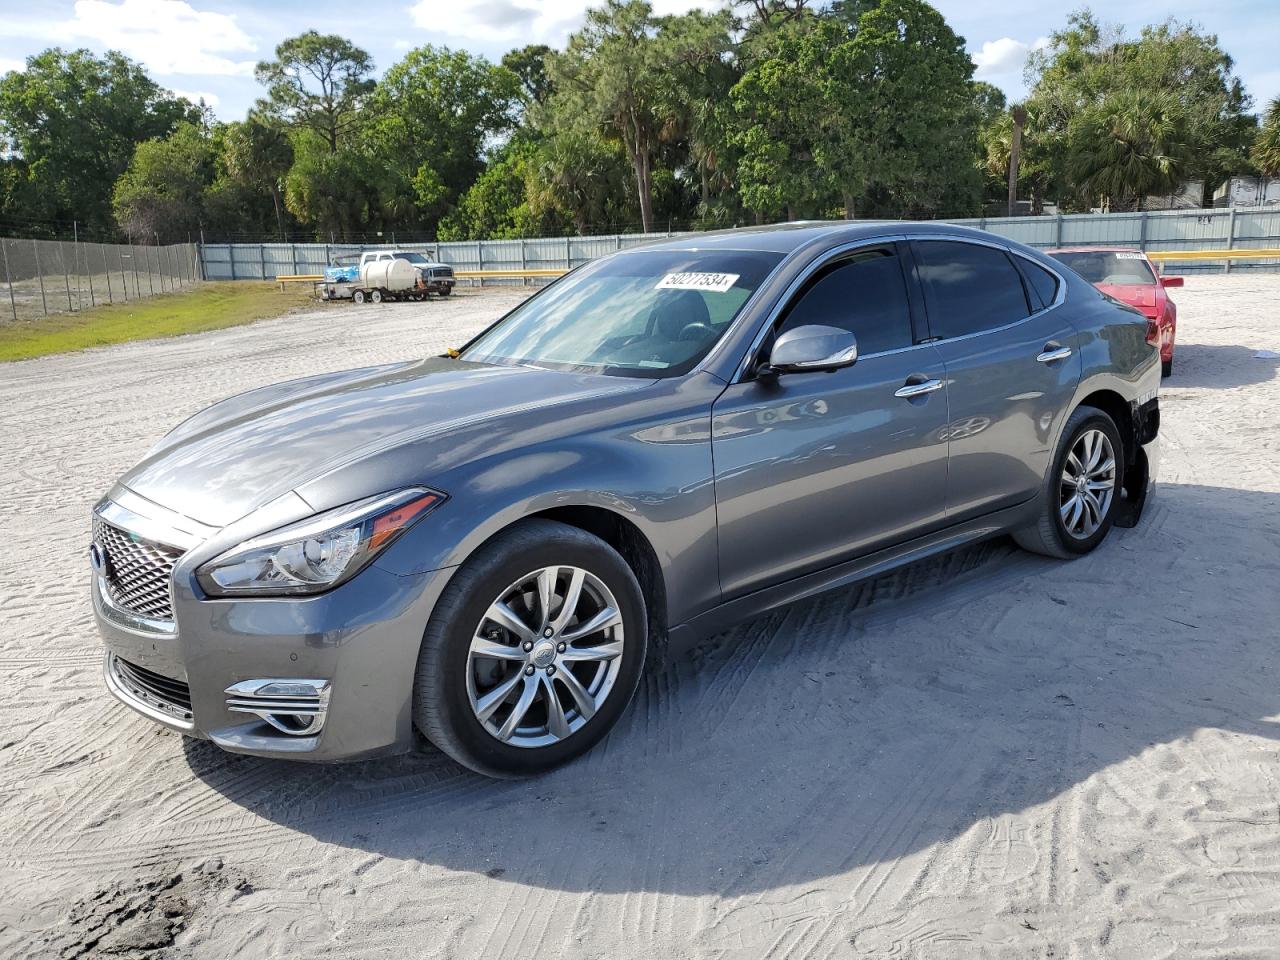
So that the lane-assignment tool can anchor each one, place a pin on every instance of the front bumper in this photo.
(358, 644)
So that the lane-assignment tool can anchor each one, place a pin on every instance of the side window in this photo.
(968, 287)
(1044, 284)
(864, 294)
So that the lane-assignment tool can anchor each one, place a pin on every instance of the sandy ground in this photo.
(988, 755)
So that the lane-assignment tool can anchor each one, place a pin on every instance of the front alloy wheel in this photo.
(533, 651)
(545, 656)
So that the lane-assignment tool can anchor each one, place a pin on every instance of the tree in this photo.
(161, 193)
(431, 118)
(334, 192)
(872, 110)
(1266, 149)
(258, 153)
(1130, 146)
(694, 94)
(1172, 65)
(529, 64)
(497, 205)
(318, 81)
(70, 123)
(609, 79)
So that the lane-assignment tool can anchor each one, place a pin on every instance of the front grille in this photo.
(171, 697)
(442, 273)
(138, 572)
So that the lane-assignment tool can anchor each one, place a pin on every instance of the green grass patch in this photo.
(210, 306)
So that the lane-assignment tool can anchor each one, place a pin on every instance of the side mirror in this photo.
(811, 347)
(1171, 281)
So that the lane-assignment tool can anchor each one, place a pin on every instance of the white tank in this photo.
(388, 275)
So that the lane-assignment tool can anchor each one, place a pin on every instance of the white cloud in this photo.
(7, 65)
(521, 21)
(168, 36)
(1004, 56)
(211, 100)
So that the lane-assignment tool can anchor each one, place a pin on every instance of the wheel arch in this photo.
(1121, 412)
(632, 545)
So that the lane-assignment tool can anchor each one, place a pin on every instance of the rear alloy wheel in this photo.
(1078, 501)
(533, 651)
(1088, 484)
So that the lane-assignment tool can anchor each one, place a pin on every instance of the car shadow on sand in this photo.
(1220, 367)
(859, 727)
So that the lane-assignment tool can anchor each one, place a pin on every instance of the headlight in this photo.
(318, 553)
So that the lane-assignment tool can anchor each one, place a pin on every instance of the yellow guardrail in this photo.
(1259, 253)
(509, 274)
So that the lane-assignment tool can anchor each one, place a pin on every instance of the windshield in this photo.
(1120, 269)
(641, 314)
(412, 257)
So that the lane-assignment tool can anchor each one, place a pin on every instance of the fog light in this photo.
(294, 707)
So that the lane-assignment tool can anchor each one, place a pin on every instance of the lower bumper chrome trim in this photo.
(137, 696)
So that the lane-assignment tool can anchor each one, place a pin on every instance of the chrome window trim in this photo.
(784, 300)
(982, 242)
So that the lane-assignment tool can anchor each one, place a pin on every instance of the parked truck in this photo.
(379, 275)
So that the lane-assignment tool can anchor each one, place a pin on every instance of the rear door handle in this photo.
(1053, 352)
(918, 389)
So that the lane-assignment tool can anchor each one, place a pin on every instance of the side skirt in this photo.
(684, 636)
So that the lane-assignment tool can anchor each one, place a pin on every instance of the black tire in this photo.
(1166, 368)
(1049, 535)
(376, 296)
(445, 291)
(442, 709)
(358, 297)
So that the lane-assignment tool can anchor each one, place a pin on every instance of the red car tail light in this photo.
(1153, 333)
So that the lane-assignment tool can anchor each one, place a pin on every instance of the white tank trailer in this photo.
(391, 277)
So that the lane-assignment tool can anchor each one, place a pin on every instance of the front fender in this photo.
(651, 466)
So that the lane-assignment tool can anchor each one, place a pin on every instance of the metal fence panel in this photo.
(1202, 229)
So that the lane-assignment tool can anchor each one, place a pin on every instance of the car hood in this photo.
(1144, 297)
(240, 454)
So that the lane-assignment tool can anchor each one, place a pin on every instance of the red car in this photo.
(1128, 276)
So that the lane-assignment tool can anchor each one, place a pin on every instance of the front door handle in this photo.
(918, 389)
(1053, 352)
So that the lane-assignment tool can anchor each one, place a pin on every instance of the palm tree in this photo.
(1129, 146)
(258, 152)
(1266, 149)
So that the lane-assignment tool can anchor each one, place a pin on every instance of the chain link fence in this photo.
(46, 277)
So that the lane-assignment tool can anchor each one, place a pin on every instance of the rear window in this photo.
(1111, 267)
(1044, 285)
(968, 287)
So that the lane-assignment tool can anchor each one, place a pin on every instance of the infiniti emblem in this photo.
(97, 559)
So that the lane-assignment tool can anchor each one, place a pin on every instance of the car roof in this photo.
(788, 237)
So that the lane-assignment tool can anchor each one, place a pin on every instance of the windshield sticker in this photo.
(1129, 256)
(714, 282)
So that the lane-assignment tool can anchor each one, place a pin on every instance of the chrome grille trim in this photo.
(139, 573)
(151, 694)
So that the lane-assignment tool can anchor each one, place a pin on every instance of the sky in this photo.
(207, 49)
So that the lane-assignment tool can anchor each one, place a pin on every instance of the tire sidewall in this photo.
(449, 705)
(1088, 418)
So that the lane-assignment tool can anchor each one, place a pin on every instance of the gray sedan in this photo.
(481, 549)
